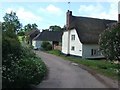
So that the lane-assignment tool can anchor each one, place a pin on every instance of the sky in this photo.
(46, 14)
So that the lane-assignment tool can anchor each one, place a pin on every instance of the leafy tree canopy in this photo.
(55, 28)
(30, 27)
(11, 22)
(110, 43)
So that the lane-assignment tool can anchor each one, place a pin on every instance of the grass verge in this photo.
(103, 67)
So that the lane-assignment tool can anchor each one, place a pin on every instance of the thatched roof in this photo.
(33, 33)
(49, 36)
(88, 29)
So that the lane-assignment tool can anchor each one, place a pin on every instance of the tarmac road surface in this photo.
(64, 74)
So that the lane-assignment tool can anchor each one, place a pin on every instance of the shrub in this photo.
(10, 46)
(21, 33)
(23, 72)
(31, 71)
(110, 43)
(17, 63)
(49, 47)
(46, 46)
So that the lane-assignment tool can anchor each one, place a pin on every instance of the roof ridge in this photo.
(91, 18)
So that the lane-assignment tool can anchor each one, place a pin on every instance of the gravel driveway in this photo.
(64, 74)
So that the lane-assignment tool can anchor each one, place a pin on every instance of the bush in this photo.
(10, 46)
(110, 43)
(31, 71)
(26, 71)
(20, 66)
(21, 33)
(46, 46)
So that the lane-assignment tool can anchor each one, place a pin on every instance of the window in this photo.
(72, 48)
(95, 52)
(72, 37)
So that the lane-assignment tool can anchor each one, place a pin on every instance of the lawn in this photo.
(100, 66)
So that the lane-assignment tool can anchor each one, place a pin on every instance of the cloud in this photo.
(25, 15)
(51, 9)
(119, 7)
(99, 11)
(9, 10)
(87, 9)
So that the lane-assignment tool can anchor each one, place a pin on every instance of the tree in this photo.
(21, 33)
(64, 27)
(110, 43)
(12, 22)
(30, 27)
(55, 28)
(34, 26)
(11, 47)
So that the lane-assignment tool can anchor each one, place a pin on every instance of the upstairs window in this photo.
(72, 37)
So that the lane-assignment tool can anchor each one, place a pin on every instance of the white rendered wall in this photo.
(65, 42)
(76, 43)
(36, 44)
(87, 50)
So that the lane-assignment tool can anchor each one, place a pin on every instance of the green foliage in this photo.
(21, 33)
(55, 52)
(46, 46)
(10, 44)
(21, 39)
(55, 28)
(30, 27)
(20, 66)
(31, 71)
(11, 20)
(24, 71)
(110, 43)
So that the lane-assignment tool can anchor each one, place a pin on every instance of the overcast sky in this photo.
(45, 14)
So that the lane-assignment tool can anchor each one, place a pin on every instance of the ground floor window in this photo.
(95, 52)
(72, 48)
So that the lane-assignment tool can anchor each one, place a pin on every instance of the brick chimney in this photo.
(68, 18)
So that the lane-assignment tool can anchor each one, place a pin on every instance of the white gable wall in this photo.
(75, 43)
(65, 42)
(36, 44)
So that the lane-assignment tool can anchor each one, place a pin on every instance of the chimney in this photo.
(68, 19)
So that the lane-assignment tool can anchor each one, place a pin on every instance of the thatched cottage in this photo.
(82, 35)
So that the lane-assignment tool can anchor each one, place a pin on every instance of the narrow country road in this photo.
(64, 74)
